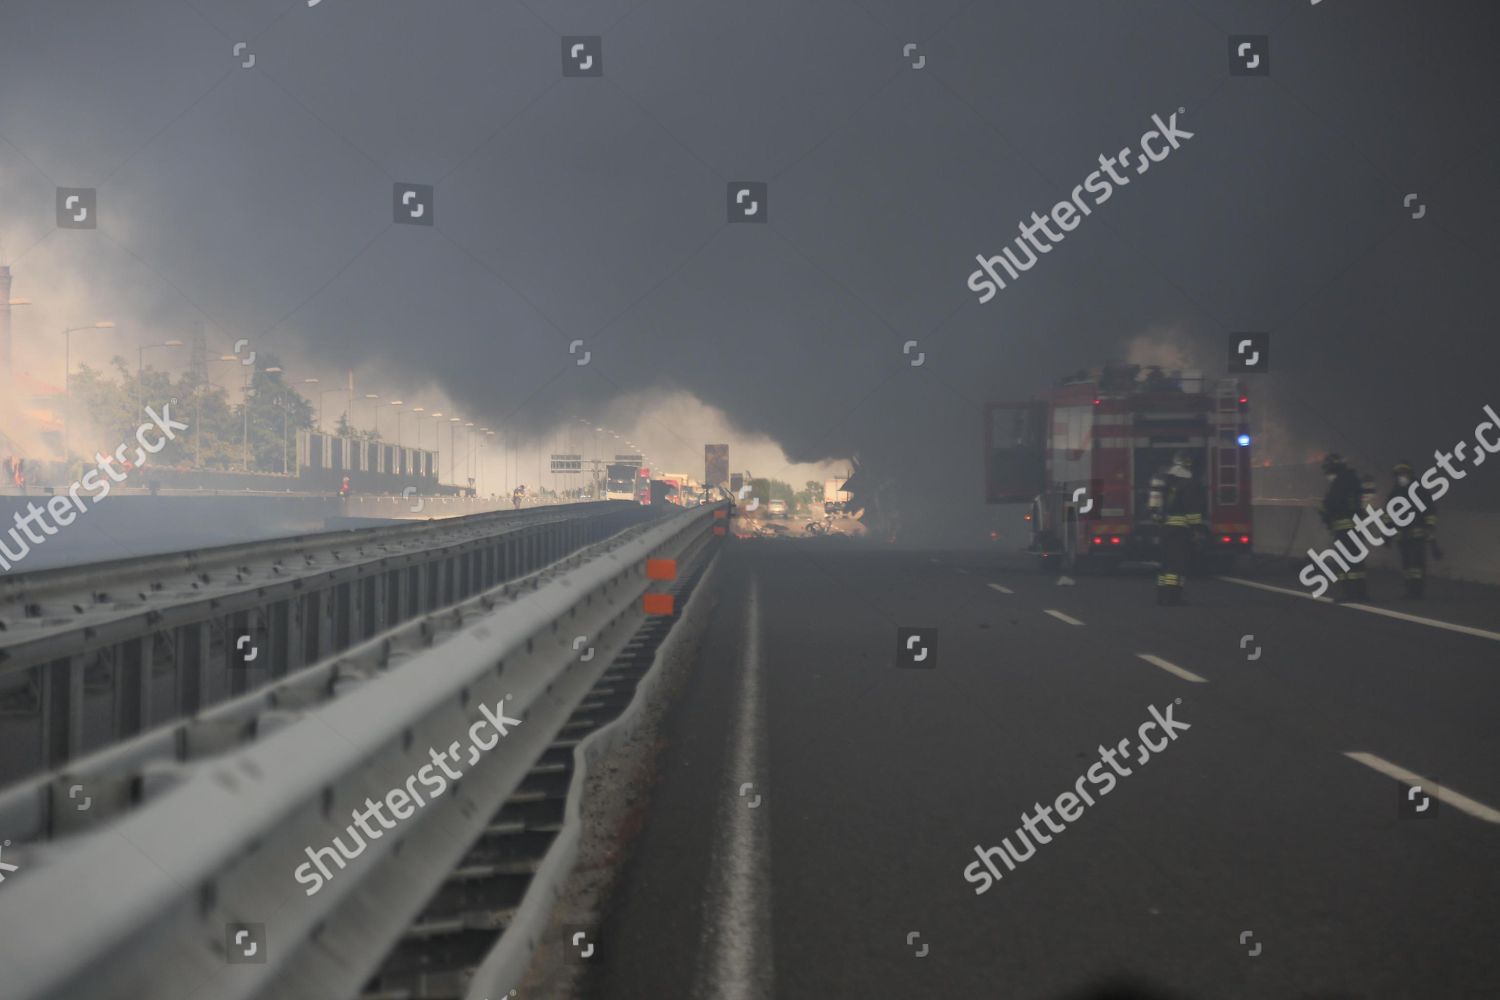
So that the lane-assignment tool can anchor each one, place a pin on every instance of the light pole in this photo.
(280, 401)
(322, 395)
(374, 411)
(140, 363)
(452, 473)
(103, 324)
(396, 404)
(417, 412)
(469, 453)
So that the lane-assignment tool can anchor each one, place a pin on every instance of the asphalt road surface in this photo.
(1251, 856)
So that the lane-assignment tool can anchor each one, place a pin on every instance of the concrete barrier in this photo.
(1470, 540)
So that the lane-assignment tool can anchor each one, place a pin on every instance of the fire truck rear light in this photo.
(1097, 400)
(1227, 539)
(1244, 539)
(1098, 540)
(1244, 400)
(1115, 540)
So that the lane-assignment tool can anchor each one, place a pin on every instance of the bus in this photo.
(619, 481)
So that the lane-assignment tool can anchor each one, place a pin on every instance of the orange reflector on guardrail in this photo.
(661, 569)
(721, 513)
(719, 529)
(656, 604)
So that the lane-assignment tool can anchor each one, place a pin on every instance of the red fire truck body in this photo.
(1083, 455)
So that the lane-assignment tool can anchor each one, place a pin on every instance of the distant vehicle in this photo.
(777, 508)
(662, 493)
(679, 483)
(834, 495)
(1083, 455)
(619, 481)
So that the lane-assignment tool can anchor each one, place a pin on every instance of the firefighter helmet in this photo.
(1333, 462)
(1402, 467)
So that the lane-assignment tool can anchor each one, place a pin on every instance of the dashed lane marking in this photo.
(1447, 796)
(1371, 609)
(1172, 668)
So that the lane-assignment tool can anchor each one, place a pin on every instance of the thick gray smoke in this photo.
(593, 209)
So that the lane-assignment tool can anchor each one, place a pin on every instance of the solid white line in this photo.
(1445, 795)
(738, 962)
(959, 569)
(1064, 618)
(1003, 590)
(1172, 668)
(1371, 609)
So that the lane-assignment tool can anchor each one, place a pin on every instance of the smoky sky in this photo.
(259, 201)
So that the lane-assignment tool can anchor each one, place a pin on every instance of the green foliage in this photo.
(222, 418)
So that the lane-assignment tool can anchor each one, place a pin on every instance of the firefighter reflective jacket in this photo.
(1185, 503)
(1341, 502)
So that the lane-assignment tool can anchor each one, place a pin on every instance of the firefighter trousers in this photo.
(1176, 546)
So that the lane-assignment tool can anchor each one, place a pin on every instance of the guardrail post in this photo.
(133, 685)
(296, 633)
(62, 710)
(192, 666)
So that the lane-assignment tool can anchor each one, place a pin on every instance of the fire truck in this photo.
(1084, 454)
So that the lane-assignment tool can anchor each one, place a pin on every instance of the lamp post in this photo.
(452, 473)
(281, 402)
(374, 411)
(396, 404)
(140, 363)
(469, 452)
(104, 324)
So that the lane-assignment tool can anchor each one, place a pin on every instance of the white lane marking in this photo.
(934, 560)
(1445, 795)
(1371, 609)
(1172, 668)
(1275, 590)
(738, 962)
(1003, 590)
(959, 569)
(1064, 618)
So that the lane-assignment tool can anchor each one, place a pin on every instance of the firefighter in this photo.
(1340, 505)
(1413, 539)
(516, 495)
(1183, 506)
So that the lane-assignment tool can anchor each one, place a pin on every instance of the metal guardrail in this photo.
(94, 654)
(192, 893)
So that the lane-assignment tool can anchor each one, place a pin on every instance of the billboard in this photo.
(715, 464)
(567, 463)
(629, 459)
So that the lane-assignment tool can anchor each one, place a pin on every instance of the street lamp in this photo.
(396, 404)
(374, 411)
(103, 324)
(282, 402)
(140, 363)
(417, 412)
(452, 475)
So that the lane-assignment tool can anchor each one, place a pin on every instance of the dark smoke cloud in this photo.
(258, 200)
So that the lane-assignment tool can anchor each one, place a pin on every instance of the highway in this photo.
(1252, 856)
